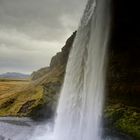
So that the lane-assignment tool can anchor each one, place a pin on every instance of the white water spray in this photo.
(80, 107)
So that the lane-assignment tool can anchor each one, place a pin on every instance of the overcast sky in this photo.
(32, 31)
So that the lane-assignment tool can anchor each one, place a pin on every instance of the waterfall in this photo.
(81, 102)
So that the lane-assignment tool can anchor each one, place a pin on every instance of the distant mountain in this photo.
(14, 75)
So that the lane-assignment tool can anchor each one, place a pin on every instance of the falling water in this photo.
(80, 106)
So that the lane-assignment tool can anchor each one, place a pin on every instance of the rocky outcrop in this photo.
(59, 60)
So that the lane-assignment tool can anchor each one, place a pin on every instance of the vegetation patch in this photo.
(22, 102)
(124, 118)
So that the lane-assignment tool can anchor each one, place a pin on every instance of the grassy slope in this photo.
(9, 85)
(17, 99)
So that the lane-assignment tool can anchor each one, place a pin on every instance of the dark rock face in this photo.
(124, 65)
(124, 75)
(126, 29)
(61, 58)
(123, 72)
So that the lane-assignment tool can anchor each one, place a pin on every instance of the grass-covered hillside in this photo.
(16, 99)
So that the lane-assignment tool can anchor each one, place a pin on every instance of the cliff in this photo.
(57, 61)
(123, 80)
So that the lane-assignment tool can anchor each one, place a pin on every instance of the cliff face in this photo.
(124, 75)
(62, 57)
(123, 80)
(124, 65)
(123, 88)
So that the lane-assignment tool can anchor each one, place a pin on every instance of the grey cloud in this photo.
(30, 15)
(32, 31)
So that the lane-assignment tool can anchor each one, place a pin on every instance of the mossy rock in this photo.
(130, 123)
(124, 118)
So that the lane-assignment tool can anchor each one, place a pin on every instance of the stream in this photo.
(12, 128)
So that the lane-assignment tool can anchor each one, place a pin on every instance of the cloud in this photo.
(32, 31)
(18, 50)
(41, 18)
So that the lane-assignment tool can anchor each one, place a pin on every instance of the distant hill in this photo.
(14, 75)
